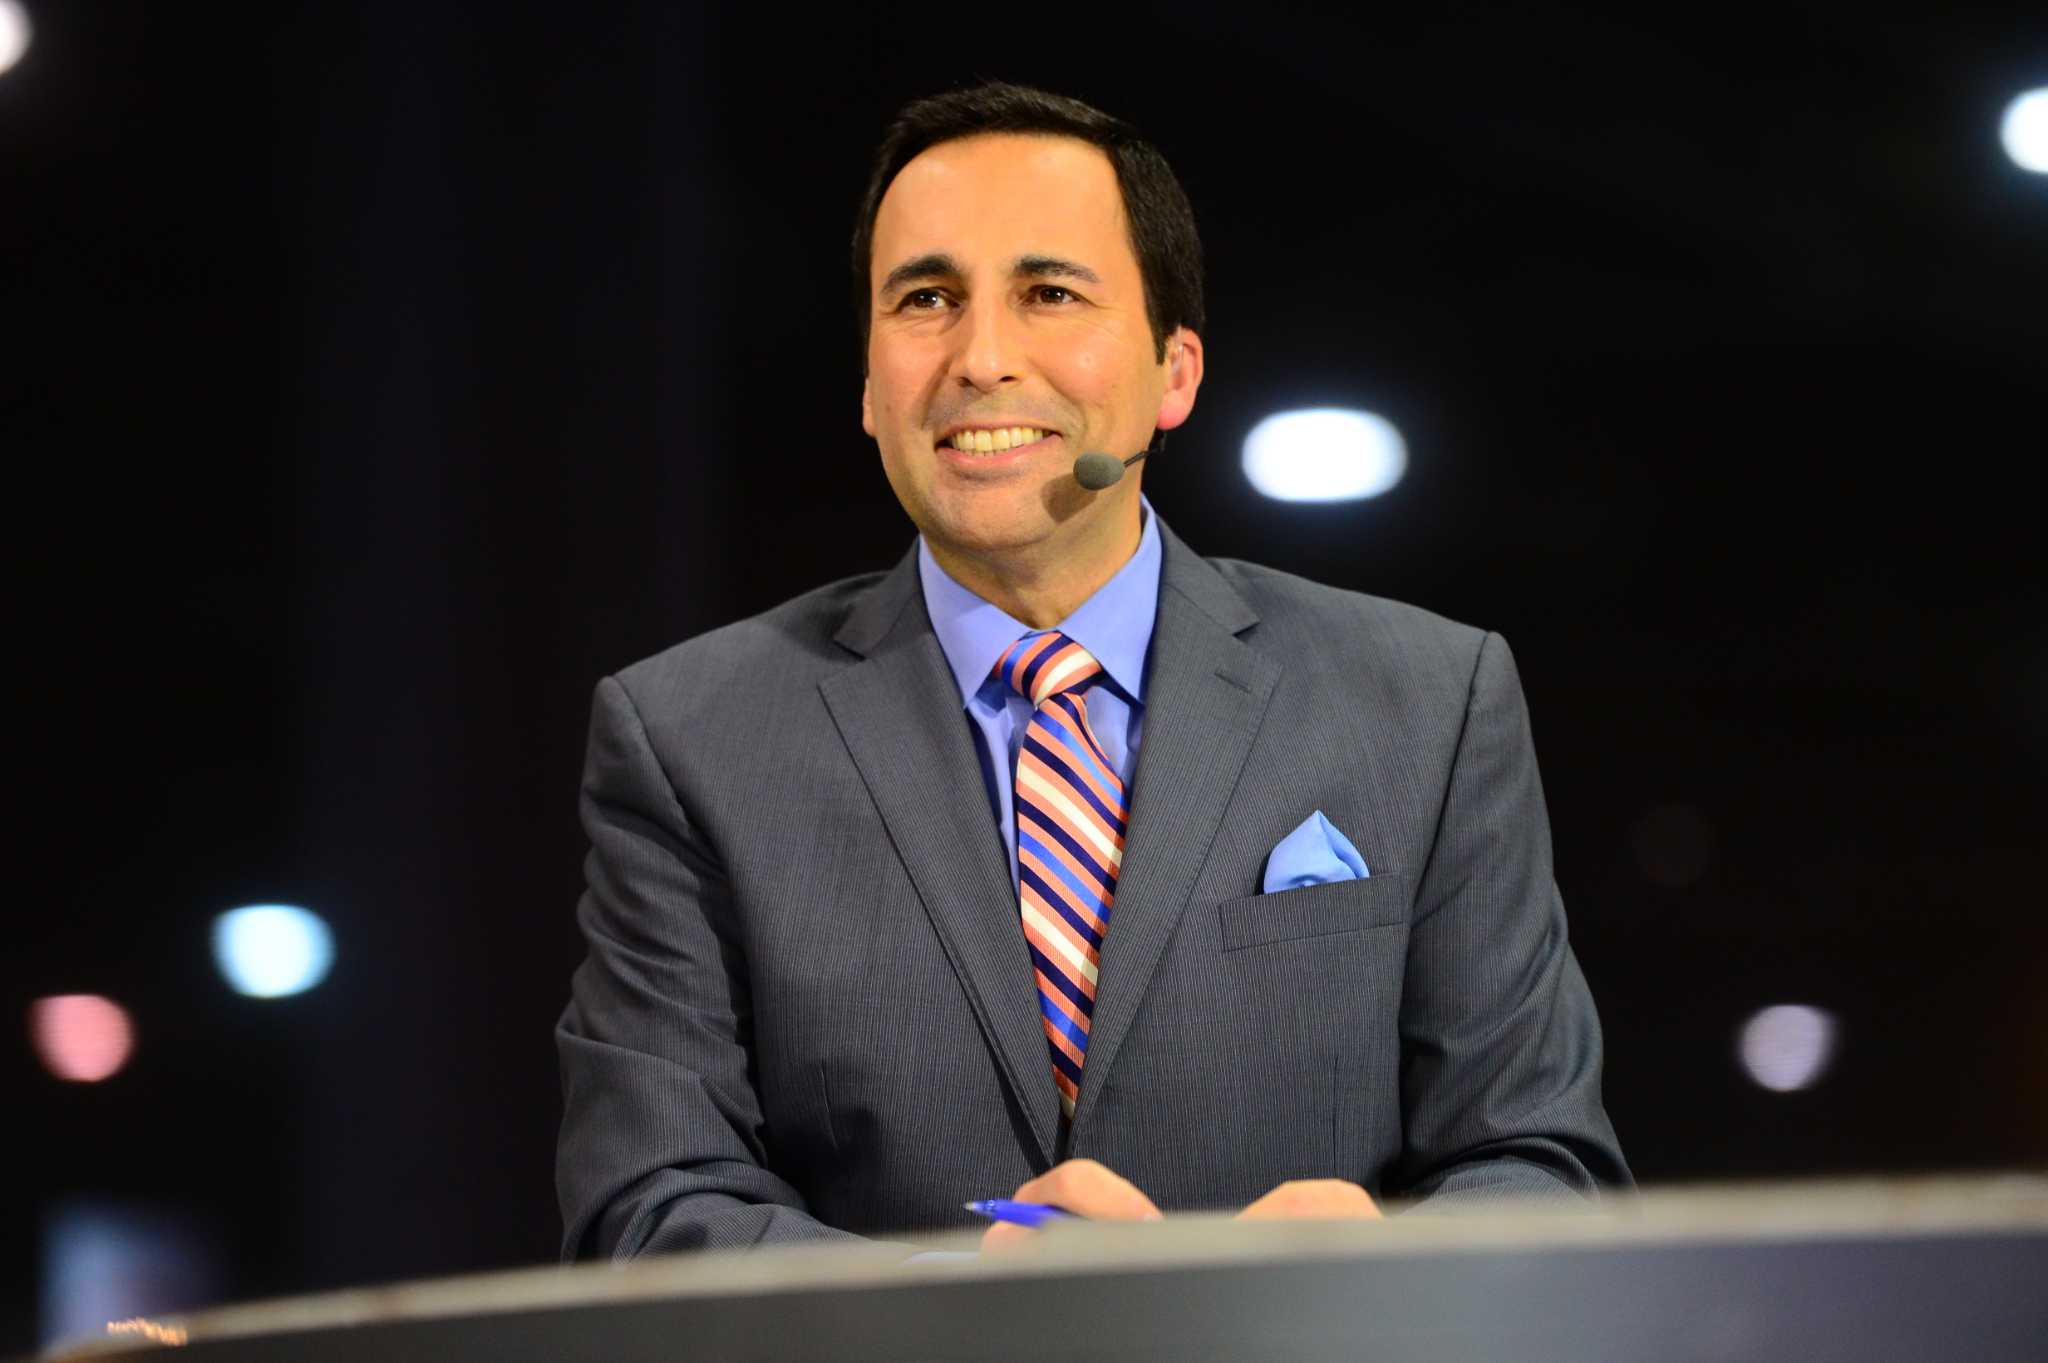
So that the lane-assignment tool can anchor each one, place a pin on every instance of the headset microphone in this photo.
(1098, 471)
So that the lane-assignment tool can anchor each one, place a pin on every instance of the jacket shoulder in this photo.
(1352, 652)
(1288, 605)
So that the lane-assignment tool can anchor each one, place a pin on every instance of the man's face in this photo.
(1005, 294)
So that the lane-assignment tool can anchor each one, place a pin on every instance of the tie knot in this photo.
(1038, 666)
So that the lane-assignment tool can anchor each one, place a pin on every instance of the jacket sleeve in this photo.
(662, 1143)
(1500, 1043)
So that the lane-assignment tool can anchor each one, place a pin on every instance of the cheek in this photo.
(882, 400)
(1094, 370)
(894, 382)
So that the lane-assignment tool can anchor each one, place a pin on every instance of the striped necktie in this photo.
(1070, 842)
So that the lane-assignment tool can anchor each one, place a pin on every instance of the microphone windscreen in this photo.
(1097, 471)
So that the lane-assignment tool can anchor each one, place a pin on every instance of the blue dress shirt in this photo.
(1115, 625)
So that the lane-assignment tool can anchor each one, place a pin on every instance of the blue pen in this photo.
(1019, 1213)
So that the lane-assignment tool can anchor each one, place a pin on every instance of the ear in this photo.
(1183, 377)
(867, 408)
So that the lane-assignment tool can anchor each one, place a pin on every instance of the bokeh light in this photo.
(2024, 130)
(268, 951)
(106, 1261)
(15, 32)
(1788, 1046)
(1324, 454)
(82, 1038)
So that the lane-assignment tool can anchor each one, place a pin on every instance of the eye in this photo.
(1042, 291)
(911, 300)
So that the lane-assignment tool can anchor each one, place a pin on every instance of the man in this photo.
(959, 881)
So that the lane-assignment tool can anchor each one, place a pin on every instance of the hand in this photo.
(1084, 1188)
(1306, 1198)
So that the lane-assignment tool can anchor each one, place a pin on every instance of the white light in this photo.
(1324, 454)
(1788, 1046)
(15, 32)
(270, 950)
(2024, 131)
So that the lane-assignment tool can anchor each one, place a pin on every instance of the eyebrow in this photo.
(939, 265)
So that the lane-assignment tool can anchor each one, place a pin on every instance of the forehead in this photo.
(997, 196)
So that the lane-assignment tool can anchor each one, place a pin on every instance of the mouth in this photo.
(989, 442)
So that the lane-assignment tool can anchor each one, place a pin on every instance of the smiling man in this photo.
(1059, 862)
(1027, 321)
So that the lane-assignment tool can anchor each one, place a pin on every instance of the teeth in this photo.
(989, 442)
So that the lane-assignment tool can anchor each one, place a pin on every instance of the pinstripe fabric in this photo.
(1070, 840)
(777, 1038)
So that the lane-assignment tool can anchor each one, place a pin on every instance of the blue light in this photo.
(107, 1264)
(270, 950)
(1324, 454)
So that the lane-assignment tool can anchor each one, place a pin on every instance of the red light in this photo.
(81, 1037)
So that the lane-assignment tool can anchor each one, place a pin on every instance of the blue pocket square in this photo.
(1313, 854)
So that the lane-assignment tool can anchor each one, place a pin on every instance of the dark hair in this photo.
(1162, 222)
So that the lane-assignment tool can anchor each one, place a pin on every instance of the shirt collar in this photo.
(1115, 624)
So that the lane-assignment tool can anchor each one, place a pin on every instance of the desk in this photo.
(1941, 1269)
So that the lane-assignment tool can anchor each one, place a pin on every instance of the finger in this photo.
(1314, 1198)
(1004, 1237)
(1088, 1188)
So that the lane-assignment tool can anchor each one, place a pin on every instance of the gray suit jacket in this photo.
(807, 1009)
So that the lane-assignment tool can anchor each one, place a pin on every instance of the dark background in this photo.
(376, 378)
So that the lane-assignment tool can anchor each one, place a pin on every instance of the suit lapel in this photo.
(1205, 695)
(899, 713)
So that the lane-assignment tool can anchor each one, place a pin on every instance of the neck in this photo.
(1045, 585)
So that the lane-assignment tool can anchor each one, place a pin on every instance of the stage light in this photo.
(82, 1038)
(1788, 1046)
(15, 32)
(1324, 454)
(108, 1266)
(270, 950)
(2024, 130)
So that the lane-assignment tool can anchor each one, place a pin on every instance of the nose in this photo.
(991, 347)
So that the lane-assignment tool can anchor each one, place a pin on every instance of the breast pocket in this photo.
(1313, 911)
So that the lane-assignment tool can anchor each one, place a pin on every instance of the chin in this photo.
(1012, 516)
(978, 538)
(989, 529)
